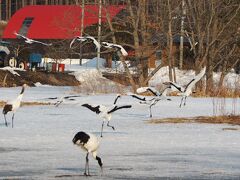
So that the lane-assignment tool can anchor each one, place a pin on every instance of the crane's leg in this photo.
(110, 126)
(181, 102)
(150, 110)
(12, 119)
(58, 103)
(86, 166)
(185, 101)
(5, 120)
(102, 128)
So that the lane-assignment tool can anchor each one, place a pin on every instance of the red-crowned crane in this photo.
(153, 101)
(30, 41)
(89, 143)
(86, 38)
(116, 46)
(105, 112)
(187, 90)
(13, 105)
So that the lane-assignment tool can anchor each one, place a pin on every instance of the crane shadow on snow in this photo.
(3, 124)
(73, 175)
(112, 133)
(72, 170)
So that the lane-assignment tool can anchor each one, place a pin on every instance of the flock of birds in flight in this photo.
(87, 141)
(81, 39)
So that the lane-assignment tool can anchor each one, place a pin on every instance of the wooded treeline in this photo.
(211, 28)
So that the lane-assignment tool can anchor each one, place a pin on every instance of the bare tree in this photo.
(211, 24)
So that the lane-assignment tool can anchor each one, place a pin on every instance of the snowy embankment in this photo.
(184, 76)
(88, 70)
(231, 80)
(40, 145)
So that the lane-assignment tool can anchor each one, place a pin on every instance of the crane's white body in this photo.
(104, 112)
(15, 103)
(91, 146)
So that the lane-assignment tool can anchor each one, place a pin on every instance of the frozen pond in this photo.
(40, 145)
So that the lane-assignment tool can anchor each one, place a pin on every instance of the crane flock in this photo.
(90, 142)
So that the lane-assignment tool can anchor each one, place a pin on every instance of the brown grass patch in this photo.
(2, 103)
(225, 119)
(230, 129)
(35, 103)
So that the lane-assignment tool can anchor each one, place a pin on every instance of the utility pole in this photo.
(82, 29)
(182, 33)
(99, 30)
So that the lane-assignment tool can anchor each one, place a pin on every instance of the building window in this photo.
(25, 25)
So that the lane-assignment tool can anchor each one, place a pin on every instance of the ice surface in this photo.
(40, 145)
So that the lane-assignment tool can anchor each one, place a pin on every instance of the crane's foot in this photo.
(85, 174)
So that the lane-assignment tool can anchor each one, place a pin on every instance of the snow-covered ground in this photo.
(40, 145)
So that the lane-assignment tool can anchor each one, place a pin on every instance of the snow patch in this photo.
(38, 84)
(12, 70)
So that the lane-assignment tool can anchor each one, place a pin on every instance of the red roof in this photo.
(56, 21)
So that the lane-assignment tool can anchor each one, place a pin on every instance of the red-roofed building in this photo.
(54, 21)
(49, 23)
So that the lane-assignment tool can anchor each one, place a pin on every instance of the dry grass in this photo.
(230, 129)
(225, 119)
(2, 103)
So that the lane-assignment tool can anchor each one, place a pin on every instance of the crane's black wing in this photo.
(189, 84)
(52, 98)
(179, 88)
(139, 98)
(94, 109)
(154, 91)
(118, 107)
(116, 99)
(73, 96)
